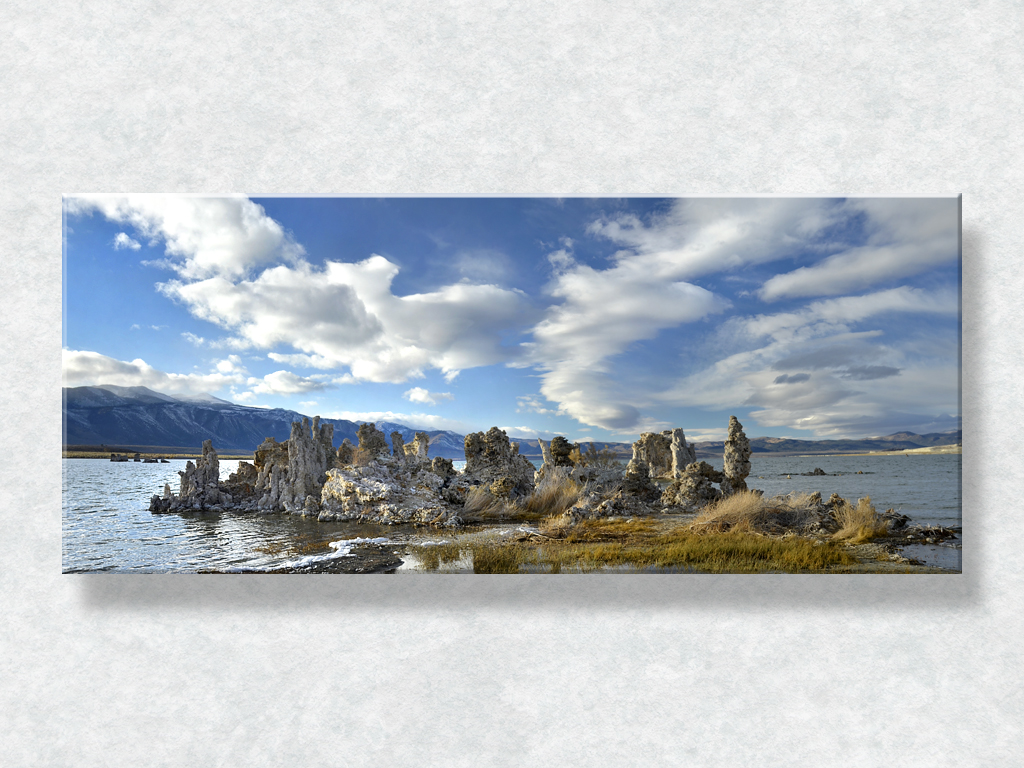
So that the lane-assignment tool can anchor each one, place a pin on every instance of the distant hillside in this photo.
(137, 416)
(899, 441)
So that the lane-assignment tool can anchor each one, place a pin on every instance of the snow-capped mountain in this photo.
(138, 416)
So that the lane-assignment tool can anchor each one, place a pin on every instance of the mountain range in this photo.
(136, 417)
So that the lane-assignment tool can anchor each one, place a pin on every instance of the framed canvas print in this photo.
(511, 385)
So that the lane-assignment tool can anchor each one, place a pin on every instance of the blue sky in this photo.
(591, 318)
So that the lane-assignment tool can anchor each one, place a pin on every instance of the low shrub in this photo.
(553, 497)
(483, 506)
(748, 511)
(860, 523)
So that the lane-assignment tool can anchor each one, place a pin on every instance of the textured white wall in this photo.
(536, 97)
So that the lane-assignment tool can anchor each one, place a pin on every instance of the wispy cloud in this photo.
(824, 367)
(533, 404)
(905, 237)
(421, 395)
(84, 368)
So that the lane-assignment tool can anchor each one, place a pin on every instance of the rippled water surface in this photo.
(107, 525)
(926, 488)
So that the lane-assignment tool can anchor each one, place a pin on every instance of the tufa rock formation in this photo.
(199, 489)
(652, 454)
(374, 483)
(417, 449)
(695, 488)
(663, 455)
(736, 462)
(346, 453)
(305, 476)
(491, 458)
(682, 454)
(308, 452)
(372, 442)
(397, 445)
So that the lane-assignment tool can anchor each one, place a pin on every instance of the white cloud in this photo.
(121, 241)
(853, 309)
(905, 237)
(304, 361)
(83, 368)
(285, 383)
(236, 267)
(814, 370)
(699, 236)
(649, 288)
(347, 315)
(232, 364)
(191, 338)
(308, 403)
(421, 395)
(602, 313)
(203, 236)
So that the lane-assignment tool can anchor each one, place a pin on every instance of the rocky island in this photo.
(577, 497)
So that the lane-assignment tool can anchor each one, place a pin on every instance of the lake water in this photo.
(107, 525)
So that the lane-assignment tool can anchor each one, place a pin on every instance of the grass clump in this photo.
(860, 523)
(642, 544)
(482, 506)
(749, 512)
(732, 552)
(436, 555)
(553, 497)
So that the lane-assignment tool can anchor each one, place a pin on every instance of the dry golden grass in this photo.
(609, 529)
(482, 506)
(860, 523)
(749, 512)
(437, 555)
(553, 497)
(649, 544)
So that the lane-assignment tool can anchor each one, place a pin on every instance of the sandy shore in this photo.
(931, 451)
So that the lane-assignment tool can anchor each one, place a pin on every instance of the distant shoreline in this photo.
(67, 453)
(934, 450)
(78, 452)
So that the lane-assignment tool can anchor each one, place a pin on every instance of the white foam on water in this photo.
(342, 548)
